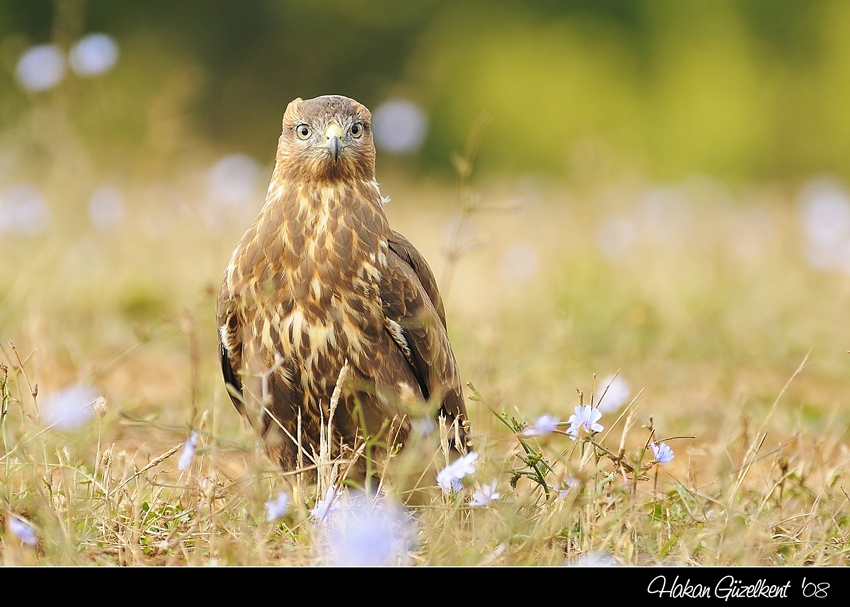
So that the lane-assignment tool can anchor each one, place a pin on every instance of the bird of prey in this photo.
(322, 295)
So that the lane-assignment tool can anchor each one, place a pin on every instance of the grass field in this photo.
(733, 347)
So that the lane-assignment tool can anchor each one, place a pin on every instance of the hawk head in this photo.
(326, 139)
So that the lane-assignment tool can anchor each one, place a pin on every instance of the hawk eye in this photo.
(303, 131)
(356, 129)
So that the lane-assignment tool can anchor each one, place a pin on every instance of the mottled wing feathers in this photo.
(230, 347)
(410, 255)
(412, 304)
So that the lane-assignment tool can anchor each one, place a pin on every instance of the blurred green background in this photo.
(742, 90)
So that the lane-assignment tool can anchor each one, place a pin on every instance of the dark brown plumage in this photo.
(320, 282)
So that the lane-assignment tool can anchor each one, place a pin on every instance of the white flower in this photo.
(584, 421)
(661, 452)
(487, 494)
(449, 477)
(363, 531)
(545, 424)
(188, 453)
(327, 506)
(277, 507)
(23, 530)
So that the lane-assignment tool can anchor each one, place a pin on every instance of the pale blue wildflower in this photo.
(41, 67)
(188, 453)
(327, 506)
(276, 508)
(487, 494)
(661, 452)
(362, 531)
(24, 211)
(545, 424)
(825, 218)
(69, 408)
(399, 126)
(584, 421)
(231, 184)
(596, 559)
(449, 477)
(93, 55)
(22, 530)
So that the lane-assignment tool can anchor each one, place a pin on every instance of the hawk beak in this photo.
(333, 137)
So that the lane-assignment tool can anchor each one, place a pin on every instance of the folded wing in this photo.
(414, 308)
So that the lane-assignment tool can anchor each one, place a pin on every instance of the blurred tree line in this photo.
(747, 89)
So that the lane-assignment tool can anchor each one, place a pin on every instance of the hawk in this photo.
(322, 295)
